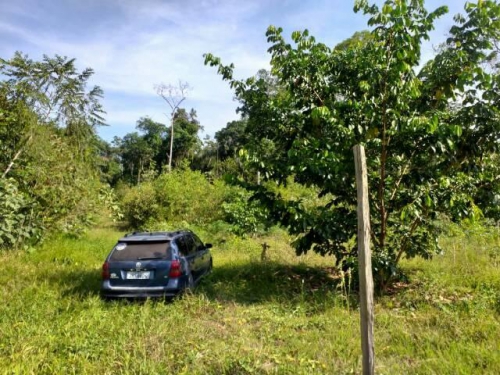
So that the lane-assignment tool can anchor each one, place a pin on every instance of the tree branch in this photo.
(404, 246)
(403, 172)
(16, 156)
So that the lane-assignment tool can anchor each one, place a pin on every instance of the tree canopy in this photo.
(430, 133)
(148, 149)
(49, 148)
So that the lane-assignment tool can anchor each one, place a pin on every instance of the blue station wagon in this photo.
(155, 264)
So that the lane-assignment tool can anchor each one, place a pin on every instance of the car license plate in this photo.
(138, 275)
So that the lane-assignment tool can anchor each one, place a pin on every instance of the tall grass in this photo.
(286, 315)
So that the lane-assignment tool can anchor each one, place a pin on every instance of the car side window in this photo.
(182, 245)
(186, 245)
(191, 245)
(197, 243)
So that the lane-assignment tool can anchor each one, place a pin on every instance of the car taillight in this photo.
(105, 271)
(175, 269)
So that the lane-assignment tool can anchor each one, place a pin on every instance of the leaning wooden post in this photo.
(365, 262)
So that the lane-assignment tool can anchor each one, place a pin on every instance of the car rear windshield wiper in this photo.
(150, 258)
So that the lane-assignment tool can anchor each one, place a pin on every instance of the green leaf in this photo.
(428, 200)
(456, 130)
(320, 112)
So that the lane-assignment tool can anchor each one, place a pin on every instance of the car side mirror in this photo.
(208, 246)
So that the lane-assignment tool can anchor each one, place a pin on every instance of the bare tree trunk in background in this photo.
(174, 96)
(171, 143)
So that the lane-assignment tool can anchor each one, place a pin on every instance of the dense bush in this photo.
(140, 205)
(64, 186)
(49, 190)
(182, 195)
(185, 197)
(17, 219)
(245, 216)
(49, 170)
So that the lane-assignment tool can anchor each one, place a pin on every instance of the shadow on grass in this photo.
(78, 283)
(256, 282)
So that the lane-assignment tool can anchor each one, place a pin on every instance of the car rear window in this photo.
(136, 251)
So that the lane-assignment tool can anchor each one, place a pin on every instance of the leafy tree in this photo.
(207, 160)
(57, 93)
(108, 162)
(154, 134)
(136, 155)
(358, 39)
(186, 142)
(231, 139)
(17, 122)
(64, 187)
(147, 149)
(428, 134)
(220, 155)
(48, 144)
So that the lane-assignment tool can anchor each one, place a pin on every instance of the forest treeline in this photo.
(58, 174)
(431, 131)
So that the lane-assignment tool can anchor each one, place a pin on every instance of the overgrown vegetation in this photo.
(287, 315)
(49, 179)
(280, 178)
(180, 196)
(18, 225)
(431, 134)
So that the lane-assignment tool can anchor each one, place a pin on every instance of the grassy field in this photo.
(287, 315)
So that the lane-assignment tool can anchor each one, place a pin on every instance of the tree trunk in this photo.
(139, 171)
(171, 144)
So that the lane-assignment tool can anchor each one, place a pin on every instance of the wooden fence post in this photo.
(365, 262)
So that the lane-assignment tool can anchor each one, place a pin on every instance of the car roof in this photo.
(152, 236)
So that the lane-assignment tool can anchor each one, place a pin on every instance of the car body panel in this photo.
(147, 258)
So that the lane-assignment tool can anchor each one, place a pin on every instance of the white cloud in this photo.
(160, 42)
(142, 43)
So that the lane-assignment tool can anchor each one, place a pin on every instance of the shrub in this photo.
(140, 204)
(245, 216)
(188, 196)
(108, 199)
(49, 190)
(64, 186)
(179, 196)
(18, 224)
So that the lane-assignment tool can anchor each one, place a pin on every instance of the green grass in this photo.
(287, 315)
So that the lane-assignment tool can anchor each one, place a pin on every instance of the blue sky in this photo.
(134, 44)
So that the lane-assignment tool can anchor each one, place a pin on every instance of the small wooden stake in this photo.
(365, 262)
